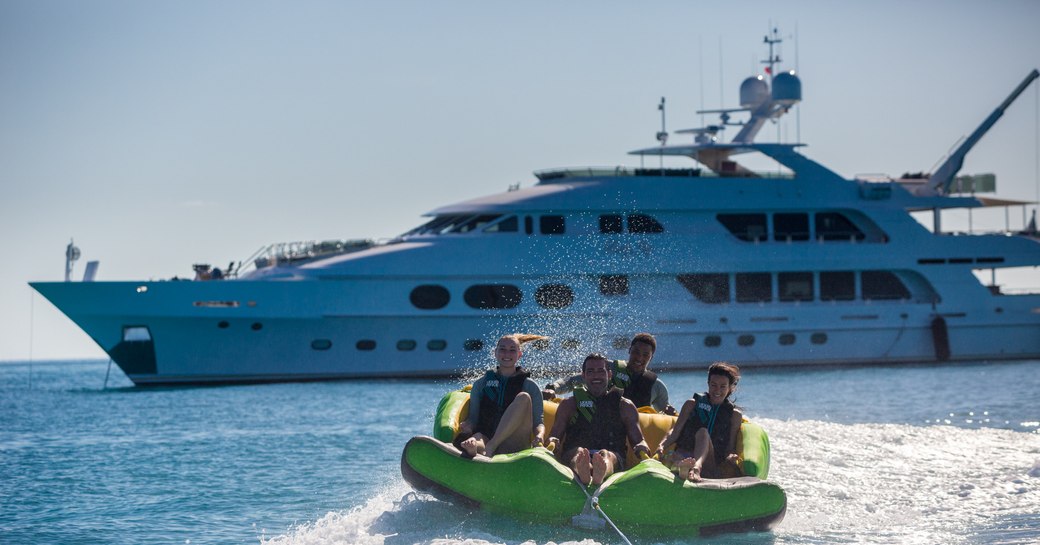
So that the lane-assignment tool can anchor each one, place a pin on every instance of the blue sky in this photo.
(160, 134)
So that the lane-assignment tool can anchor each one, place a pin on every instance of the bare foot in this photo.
(473, 446)
(599, 468)
(689, 469)
(583, 466)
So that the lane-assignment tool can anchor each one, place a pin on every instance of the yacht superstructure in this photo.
(793, 266)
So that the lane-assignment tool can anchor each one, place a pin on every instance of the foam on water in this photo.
(860, 483)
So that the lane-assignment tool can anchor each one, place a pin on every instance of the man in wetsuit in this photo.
(634, 379)
(594, 424)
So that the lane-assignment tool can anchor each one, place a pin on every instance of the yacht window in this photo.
(554, 296)
(818, 338)
(795, 286)
(786, 339)
(508, 225)
(366, 345)
(321, 344)
(472, 345)
(430, 297)
(837, 286)
(551, 225)
(528, 225)
(788, 227)
(473, 223)
(611, 223)
(436, 345)
(439, 225)
(883, 285)
(754, 288)
(712, 288)
(406, 345)
(493, 296)
(613, 284)
(712, 341)
(641, 223)
(747, 227)
(835, 226)
(746, 340)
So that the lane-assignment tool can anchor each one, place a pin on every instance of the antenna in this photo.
(71, 255)
(772, 39)
(662, 136)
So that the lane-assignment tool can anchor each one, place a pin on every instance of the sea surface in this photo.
(895, 455)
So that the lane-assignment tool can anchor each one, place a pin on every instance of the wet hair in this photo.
(723, 369)
(595, 356)
(521, 338)
(644, 338)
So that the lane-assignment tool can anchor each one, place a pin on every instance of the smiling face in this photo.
(596, 374)
(507, 352)
(719, 388)
(639, 356)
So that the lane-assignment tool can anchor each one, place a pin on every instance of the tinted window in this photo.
(436, 345)
(641, 223)
(551, 225)
(508, 225)
(790, 227)
(366, 344)
(749, 227)
(321, 344)
(611, 223)
(837, 286)
(795, 286)
(473, 344)
(746, 340)
(554, 296)
(754, 288)
(493, 296)
(429, 297)
(711, 341)
(835, 226)
(613, 284)
(708, 288)
(883, 285)
(406, 345)
(474, 223)
(786, 339)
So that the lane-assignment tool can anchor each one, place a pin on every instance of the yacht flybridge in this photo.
(794, 266)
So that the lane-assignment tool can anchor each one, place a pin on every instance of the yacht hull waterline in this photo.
(720, 262)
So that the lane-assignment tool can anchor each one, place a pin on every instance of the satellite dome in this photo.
(753, 91)
(787, 88)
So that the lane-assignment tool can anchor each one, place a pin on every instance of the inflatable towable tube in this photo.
(646, 499)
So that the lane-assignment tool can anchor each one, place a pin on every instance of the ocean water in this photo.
(901, 455)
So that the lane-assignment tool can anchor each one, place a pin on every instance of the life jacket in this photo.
(596, 423)
(638, 388)
(716, 419)
(497, 394)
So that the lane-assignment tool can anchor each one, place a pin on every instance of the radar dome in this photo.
(753, 91)
(787, 88)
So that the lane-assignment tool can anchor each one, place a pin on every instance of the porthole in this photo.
(787, 339)
(366, 345)
(321, 344)
(540, 344)
(406, 345)
(620, 343)
(746, 340)
(571, 344)
(257, 326)
(554, 296)
(436, 345)
(223, 324)
(429, 297)
(473, 344)
(818, 338)
(613, 284)
(712, 341)
(493, 296)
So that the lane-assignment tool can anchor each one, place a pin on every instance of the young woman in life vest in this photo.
(705, 434)
(505, 406)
